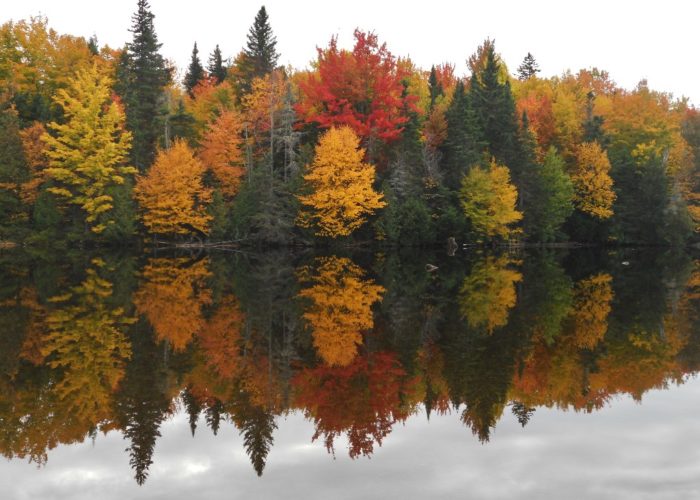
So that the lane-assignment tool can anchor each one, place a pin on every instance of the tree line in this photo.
(105, 146)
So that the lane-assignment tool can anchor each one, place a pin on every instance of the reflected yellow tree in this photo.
(592, 304)
(86, 341)
(171, 297)
(340, 307)
(488, 293)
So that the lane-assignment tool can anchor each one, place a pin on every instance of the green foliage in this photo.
(216, 67)
(407, 223)
(13, 171)
(195, 72)
(260, 54)
(551, 202)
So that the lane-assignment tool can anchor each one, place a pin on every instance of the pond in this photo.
(354, 374)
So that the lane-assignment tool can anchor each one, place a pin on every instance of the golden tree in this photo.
(172, 296)
(340, 308)
(221, 151)
(342, 195)
(593, 303)
(488, 199)
(488, 293)
(172, 194)
(87, 154)
(592, 182)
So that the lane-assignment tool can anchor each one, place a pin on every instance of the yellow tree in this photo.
(593, 299)
(172, 195)
(87, 153)
(488, 293)
(593, 185)
(341, 299)
(342, 195)
(488, 199)
(221, 151)
(35, 154)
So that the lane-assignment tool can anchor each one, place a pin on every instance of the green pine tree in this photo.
(260, 54)
(529, 68)
(142, 74)
(551, 203)
(216, 66)
(195, 71)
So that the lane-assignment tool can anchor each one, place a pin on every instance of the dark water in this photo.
(539, 374)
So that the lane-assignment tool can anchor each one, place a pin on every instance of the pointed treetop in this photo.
(195, 71)
(260, 48)
(529, 68)
(216, 66)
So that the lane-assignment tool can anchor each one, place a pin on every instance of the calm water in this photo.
(562, 374)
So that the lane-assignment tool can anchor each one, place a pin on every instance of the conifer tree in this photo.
(195, 71)
(529, 68)
(142, 74)
(216, 67)
(259, 55)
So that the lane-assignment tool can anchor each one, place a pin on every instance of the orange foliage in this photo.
(37, 161)
(592, 304)
(340, 308)
(171, 297)
(221, 151)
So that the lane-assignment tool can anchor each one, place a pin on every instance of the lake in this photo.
(352, 374)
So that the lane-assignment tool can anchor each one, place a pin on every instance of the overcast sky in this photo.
(632, 39)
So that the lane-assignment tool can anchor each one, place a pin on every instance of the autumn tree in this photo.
(221, 151)
(171, 296)
(37, 162)
(592, 182)
(340, 182)
(195, 71)
(488, 200)
(488, 294)
(340, 300)
(140, 83)
(361, 89)
(592, 304)
(88, 151)
(172, 195)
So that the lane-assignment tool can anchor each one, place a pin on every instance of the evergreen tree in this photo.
(181, 125)
(551, 202)
(195, 71)
(93, 45)
(259, 55)
(216, 66)
(142, 74)
(463, 146)
(529, 68)
(13, 170)
(494, 106)
(434, 87)
(593, 124)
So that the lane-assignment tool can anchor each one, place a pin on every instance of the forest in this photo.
(109, 147)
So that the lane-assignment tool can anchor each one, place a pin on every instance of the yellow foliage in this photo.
(488, 199)
(172, 194)
(341, 184)
(35, 154)
(340, 308)
(171, 297)
(87, 153)
(593, 185)
(488, 293)
(592, 305)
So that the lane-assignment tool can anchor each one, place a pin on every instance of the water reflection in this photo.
(357, 343)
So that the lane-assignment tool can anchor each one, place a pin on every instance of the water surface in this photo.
(350, 375)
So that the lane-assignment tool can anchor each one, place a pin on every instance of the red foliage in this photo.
(362, 89)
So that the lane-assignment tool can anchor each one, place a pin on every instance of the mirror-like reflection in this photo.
(355, 342)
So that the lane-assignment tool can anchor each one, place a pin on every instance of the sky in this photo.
(631, 39)
(627, 451)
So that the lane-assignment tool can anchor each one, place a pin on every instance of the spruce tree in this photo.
(142, 74)
(529, 68)
(216, 67)
(463, 146)
(195, 71)
(435, 87)
(259, 55)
